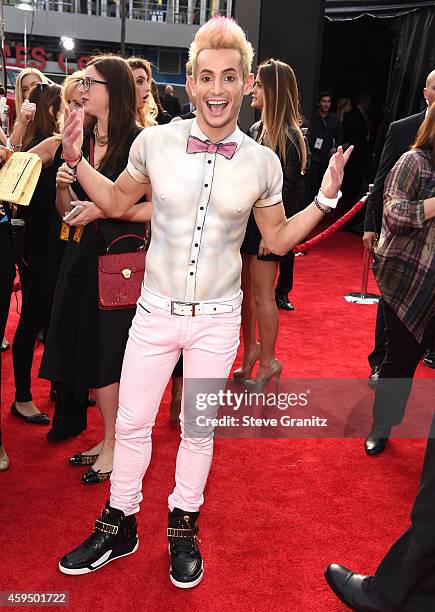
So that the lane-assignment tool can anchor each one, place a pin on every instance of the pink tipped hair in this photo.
(222, 33)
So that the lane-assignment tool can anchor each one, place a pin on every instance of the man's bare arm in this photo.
(114, 199)
(281, 234)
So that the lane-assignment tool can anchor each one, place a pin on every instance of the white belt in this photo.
(184, 309)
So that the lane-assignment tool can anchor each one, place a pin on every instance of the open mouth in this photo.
(216, 107)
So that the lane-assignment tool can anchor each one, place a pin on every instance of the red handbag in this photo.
(120, 275)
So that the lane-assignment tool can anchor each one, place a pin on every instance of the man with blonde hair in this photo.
(191, 298)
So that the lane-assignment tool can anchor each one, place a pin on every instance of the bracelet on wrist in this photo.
(72, 163)
(325, 211)
(15, 147)
(325, 201)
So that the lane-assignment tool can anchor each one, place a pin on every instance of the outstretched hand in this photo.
(333, 176)
(72, 133)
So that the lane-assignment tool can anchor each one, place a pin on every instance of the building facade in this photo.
(160, 30)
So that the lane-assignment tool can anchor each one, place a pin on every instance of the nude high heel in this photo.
(273, 372)
(242, 375)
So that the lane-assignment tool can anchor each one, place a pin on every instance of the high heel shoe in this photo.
(241, 375)
(4, 459)
(273, 372)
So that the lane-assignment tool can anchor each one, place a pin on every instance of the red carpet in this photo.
(277, 512)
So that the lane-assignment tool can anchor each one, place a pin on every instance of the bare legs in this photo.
(107, 398)
(258, 284)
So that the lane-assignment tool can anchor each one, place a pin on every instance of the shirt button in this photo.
(198, 228)
(191, 274)
(193, 261)
(201, 208)
(196, 244)
(209, 161)
(206, 185)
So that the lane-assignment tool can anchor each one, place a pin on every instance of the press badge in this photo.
(318, 144)
(78, 233)
(64, 232)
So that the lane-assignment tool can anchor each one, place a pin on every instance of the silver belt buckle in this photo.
(191, 304)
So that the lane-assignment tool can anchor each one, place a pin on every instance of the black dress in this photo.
(33, 265)
(292, 197)
(85, 344)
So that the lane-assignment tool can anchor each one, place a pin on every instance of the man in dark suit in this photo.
(358, 130)
(400, 136)
(171, 103)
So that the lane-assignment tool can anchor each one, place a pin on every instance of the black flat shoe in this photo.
(80, 460)
(377, 439)
(357, 592)
(284, 303)
(37, 419)
(95, 476)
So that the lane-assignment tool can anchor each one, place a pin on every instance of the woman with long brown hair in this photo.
(141, 69)
(84, 342)
(404, 268)
(275, 93)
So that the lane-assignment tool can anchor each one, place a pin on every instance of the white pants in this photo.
(209, 343)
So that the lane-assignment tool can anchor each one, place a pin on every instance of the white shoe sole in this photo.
(186, 585)
(86, 570)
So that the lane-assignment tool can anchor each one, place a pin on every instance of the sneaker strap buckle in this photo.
(106, 527)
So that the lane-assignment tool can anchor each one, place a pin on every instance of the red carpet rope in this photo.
(306, 246)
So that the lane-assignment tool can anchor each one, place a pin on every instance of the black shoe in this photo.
(80, 460)
(95, 476)
(377, 439)
(115, 535)
(357, 592)
(186, 569)
(283, 302)
(429, 359)
(374, 377)
(39, 419)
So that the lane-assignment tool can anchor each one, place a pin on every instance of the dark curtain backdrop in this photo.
(413, 54)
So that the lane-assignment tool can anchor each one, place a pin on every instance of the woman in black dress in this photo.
(276, 94)
(37, 123)
(84, 342)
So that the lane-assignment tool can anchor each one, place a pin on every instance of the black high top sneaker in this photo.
(115, 535)
(186, 569)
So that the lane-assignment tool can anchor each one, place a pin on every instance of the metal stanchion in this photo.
(362, 297)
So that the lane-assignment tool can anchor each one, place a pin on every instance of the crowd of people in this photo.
(106, 141)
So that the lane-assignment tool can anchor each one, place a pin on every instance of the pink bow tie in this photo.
(196, 145)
